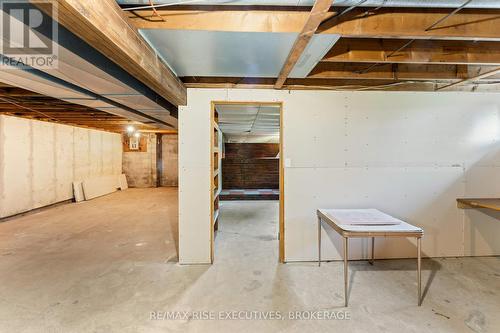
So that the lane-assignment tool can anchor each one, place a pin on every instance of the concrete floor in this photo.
(106, 264)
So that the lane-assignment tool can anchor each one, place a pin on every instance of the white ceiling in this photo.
(234, 54)
(249, 123)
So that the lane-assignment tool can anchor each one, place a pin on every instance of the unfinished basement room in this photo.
(249, 166)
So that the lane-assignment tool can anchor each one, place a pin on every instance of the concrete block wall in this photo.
(140, 167)
(170, 165)
(40, 160)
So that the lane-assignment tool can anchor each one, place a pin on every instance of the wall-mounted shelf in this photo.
(487, 203)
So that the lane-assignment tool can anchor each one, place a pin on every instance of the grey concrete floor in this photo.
(107, 264)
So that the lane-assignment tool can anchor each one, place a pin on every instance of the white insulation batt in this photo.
(39, 161)
(408, 154)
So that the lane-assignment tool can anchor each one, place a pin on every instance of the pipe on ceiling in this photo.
(493, 4)
(483, 4)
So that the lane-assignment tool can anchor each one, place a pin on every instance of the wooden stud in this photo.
(316, 16)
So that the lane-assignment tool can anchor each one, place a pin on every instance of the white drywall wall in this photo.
(408, 154)
(40, 160)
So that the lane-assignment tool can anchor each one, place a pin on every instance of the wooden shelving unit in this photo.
(486, 203)
(216, 174)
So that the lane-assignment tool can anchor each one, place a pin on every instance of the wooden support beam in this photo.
(472, 79)
(418, 52)
(316, 16)
(387, 71)
(409, 23)
(104, 26)
(331, 84)
(14, 91)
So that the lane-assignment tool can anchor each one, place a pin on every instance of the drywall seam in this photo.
(31, 166)
(56, 160)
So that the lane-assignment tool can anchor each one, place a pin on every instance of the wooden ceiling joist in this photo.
(316, 16)
(385, 71)
(409, 23)
(104, 26)
(487, 74)
(419, 51)
(332, 84)
(27, 104)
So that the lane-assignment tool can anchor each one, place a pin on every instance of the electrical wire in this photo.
(161, 5)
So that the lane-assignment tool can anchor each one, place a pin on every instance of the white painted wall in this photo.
(40, 160)
(408, 154)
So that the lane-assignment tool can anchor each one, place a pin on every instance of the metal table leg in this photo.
(346, 282)
(319, 241)
(373, 251)
(419, 271)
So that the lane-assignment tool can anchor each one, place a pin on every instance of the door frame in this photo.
(281, 237)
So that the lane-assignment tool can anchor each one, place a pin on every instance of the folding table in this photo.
(356, 223)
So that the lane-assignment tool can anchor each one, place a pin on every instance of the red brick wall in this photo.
(250, 166)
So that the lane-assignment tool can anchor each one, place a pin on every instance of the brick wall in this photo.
(250, 166)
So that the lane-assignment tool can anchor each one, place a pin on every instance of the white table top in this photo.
(367, 221)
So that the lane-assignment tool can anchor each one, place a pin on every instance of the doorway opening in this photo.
(247, 172)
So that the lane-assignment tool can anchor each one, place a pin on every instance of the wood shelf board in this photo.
(488, 203)
(216, 215)
(216, 126)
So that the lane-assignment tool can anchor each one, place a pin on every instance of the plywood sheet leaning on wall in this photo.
(122, 182)
(78, 191)
(99, 186)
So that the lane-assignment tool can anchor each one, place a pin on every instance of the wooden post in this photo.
(159, 159)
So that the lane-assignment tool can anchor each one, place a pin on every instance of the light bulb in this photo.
(130, 129)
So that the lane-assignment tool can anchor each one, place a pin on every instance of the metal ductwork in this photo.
(86, 77)
(493, 4)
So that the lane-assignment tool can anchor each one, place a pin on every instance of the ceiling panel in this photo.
(249, 123)
(317, 48)
(218, 53)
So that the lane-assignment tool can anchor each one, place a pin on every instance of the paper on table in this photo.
(362, 217)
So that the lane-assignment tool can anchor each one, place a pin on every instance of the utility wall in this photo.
(140, 167)
(40, 160)
(410, 154)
